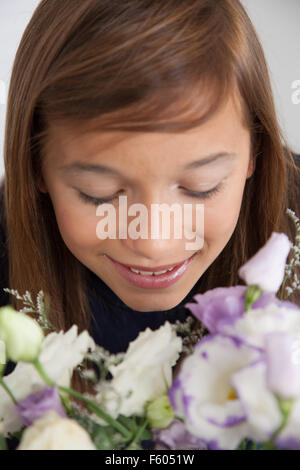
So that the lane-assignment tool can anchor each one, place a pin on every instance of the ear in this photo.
(251, 167)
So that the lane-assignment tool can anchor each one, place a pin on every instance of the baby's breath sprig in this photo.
(40, 309)
(104, 359)
(190, 336)
(294, 260)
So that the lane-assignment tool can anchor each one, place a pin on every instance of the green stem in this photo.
(6, 388)
(42, 373)
(3, 443)
(92, 406)
(140, 432)
(285, 406)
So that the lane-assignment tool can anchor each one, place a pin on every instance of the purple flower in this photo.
(225, 305)
(177, 437)
(266, 268)
(283, 363)
(37, 404)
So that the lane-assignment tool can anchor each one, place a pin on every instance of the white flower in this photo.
(260, 404)
(60, 354)
(53, 432)
(145, 372)
(202, 393)
(21, 334)
(256, 323)
(266, 268)
(2, 355)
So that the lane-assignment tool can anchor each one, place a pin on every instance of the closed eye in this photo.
(205, 194)
(195, 194)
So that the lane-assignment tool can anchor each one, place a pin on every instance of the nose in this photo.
(154, 252)
(152, 238)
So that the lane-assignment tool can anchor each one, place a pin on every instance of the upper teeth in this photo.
(150, 273)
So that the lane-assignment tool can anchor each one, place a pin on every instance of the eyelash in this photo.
(200, 195)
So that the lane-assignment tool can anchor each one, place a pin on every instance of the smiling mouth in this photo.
(145, 271)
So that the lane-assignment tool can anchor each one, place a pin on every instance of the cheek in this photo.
(77, 226)
(221, 216)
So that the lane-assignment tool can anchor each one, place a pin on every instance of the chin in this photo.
(152, 306)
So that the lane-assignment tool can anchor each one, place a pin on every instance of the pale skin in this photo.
(150, 168)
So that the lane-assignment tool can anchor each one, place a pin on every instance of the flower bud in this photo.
(160, 412)
(267, 267)
(21, 334)
(252, 295)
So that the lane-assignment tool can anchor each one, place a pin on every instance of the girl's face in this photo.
(148, 168)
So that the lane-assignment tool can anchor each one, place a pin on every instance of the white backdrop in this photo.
(277, 24)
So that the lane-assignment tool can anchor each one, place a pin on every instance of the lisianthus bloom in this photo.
(223, 305)
(252, 326)
(52, 432)
(177, 437)
(282, 352)
(21, 334)
(258, 385)
(266, 268)
(37, 404)
(202, 393)
(60, 354)
(145, 372)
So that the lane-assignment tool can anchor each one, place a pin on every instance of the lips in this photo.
(154, 281)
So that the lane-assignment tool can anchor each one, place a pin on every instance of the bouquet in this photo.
(238, 387)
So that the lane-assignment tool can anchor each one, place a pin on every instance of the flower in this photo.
(60, 354)
(145, 372)
(269, 391)
(160, 412)
(35, 405)
(222, 305)
(202, 393)
(21, 334)
(260, 404)
(52, 432)
(177, 437)
(252, 326)
(2, 356)
(282, 352)
(266, 268)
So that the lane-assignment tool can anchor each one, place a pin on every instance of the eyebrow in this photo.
(210, 159)
(102, 169)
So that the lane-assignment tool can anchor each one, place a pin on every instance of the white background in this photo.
(277, 24)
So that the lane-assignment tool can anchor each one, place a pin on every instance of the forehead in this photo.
(67, 143)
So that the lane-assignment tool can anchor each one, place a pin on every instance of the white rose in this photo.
(53, 432)
(145, 372)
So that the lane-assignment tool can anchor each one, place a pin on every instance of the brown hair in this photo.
(117, 65)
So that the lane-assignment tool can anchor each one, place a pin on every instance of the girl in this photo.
(161, 102)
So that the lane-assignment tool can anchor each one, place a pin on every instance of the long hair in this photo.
(134, 65)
